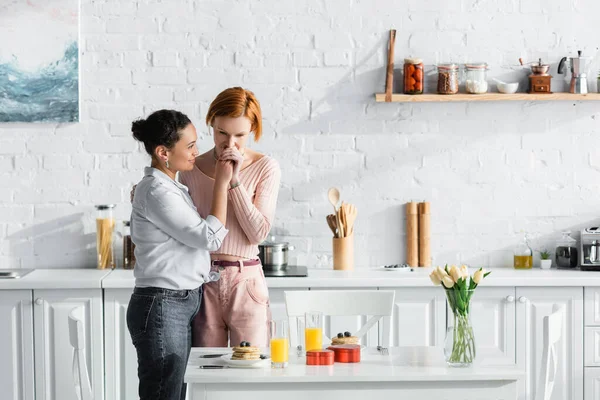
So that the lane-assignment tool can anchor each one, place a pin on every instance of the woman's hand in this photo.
(233, 155)
(223, 172)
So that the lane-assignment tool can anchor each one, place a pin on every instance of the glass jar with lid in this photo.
(128, 247)
(476, 78)
(413, 76)
(447, 78)
(105, 232)
(523, 255)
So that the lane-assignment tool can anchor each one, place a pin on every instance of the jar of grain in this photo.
(413, 76)
(105, 232)
(447, 78)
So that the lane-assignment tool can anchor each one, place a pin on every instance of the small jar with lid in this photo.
(413, 76)
(128, 247)
(476, 78)
(447, 78)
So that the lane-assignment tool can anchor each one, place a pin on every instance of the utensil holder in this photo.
(343, 253)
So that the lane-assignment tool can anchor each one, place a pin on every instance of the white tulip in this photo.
(454, 273)
(478, 276)
(440, 272)
(434, 278)
(448, 282)
(464, 272)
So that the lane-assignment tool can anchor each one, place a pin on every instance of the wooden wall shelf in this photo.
(422, 98)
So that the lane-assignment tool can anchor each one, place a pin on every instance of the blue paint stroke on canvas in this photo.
(50, 94)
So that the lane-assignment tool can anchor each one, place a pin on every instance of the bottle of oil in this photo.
(523, 256)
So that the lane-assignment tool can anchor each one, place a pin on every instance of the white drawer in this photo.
(591, 347)
(591, 386)
(591, 306)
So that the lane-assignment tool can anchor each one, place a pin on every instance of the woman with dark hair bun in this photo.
(172, 245)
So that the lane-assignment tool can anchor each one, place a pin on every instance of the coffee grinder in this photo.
(539, 80)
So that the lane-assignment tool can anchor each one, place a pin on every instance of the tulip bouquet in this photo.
(459, 286)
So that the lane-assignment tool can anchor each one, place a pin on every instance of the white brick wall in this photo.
(490, 170)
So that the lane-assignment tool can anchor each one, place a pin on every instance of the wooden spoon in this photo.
(332, 224)
(334, 198)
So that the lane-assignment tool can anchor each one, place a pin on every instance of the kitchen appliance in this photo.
(14, 273)
(539, 80)
(590, 249)
(290, 271)
(578, 66)
(566, 252)
(274, 255)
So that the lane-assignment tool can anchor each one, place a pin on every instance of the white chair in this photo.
(373, 303)
(81, 378)
(552, 333)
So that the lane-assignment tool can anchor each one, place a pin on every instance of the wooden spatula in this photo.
(350, 218)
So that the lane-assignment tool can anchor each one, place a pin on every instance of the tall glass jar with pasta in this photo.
(105, 236)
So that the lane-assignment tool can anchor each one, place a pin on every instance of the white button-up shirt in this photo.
(172, 242)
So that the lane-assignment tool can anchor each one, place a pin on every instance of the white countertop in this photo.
(404, 364)
(317, 278)
(54, 278)
(326, 278)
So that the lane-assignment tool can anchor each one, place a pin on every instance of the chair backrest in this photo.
(372, 303)
(81, 379)
(553, 326)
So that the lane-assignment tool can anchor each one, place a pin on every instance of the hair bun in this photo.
(137, 128)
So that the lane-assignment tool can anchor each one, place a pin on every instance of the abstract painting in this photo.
(39, 60)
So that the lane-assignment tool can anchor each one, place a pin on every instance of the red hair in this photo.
(237, 102)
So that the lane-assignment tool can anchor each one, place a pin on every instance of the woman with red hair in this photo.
(235, 308)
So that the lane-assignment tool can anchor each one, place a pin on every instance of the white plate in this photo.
(405, 269)
(246, 363)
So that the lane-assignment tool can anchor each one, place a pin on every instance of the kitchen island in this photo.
(407, 372)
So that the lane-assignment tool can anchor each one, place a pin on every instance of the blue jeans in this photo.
(160, 324)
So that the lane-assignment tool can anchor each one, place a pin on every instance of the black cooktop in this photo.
(291, 271)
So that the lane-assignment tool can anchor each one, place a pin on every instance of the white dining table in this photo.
(405, 373)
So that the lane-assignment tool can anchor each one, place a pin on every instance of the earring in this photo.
(167, 164)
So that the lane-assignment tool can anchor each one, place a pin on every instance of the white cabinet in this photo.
(16, 345)
(592, 384)
(534, 303)
(36, 360)
(493, 312)
(592, 306)
(418, 318)
(592, 346)
(120, 355)
(53, 350)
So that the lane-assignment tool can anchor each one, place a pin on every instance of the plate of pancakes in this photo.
(246, 355)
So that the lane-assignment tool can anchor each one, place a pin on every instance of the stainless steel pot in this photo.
(274, 255)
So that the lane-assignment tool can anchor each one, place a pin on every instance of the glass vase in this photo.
(459, 347)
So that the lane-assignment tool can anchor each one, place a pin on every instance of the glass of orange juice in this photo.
(279, 344)
(313, 330)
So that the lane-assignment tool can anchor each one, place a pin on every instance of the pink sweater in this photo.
(250, 206)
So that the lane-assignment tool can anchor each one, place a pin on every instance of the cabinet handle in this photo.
(510, 299)
(522, 299)
(39, 301)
